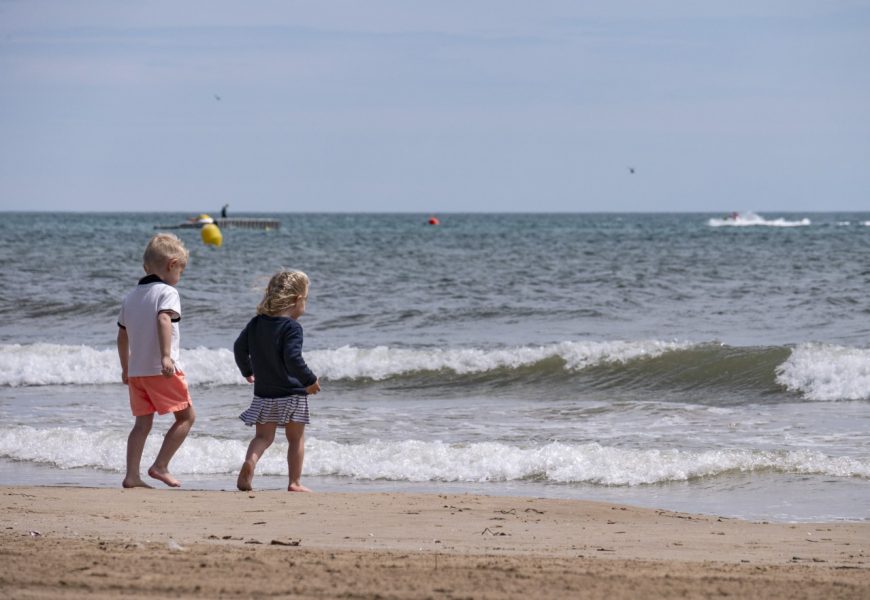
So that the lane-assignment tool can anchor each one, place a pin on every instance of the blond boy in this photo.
(148, 346)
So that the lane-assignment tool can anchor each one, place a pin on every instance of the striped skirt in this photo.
(277, 410)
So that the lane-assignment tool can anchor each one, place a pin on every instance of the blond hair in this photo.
(283, 292)
(163, 247)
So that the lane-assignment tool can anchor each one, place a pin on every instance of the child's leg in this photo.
(171, 443)
(135, 446)
(262, 440)
(295, 455)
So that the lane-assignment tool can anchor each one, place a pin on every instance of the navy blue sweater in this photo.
(270, 349)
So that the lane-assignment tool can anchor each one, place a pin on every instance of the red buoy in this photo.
(434, 221)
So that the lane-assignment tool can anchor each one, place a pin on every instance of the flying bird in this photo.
(631, 170)
(216, 97)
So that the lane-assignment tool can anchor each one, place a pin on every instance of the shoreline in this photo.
(779, 498)
(71, 542)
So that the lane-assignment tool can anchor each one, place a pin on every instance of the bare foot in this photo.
(297, 487)
(246, 477)
(164, 476)
(134, 483)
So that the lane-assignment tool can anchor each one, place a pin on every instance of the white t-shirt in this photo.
(138, 316)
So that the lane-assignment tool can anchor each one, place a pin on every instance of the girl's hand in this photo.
(249, 379)
(313, 388)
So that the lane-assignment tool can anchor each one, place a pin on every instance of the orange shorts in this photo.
(158, 394)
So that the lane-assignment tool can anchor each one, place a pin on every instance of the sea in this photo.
(707, 363)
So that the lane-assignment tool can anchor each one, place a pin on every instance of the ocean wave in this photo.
(422, 461)
(383, 362)
(827, 372)
(57, 364)
(816, 371)
(54, 364)
(750, 219)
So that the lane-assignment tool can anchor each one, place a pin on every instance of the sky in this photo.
(436, 106)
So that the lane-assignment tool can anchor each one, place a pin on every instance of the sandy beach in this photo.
(61, 542)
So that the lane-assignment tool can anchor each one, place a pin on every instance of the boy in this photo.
(148, 342)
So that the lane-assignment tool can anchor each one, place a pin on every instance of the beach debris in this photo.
(253, 542)
(491, 532)
(174, 546)
(35, 534)
(287, 543)
(260, 523)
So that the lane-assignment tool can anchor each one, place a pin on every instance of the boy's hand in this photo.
(168, 364)
(249, 379)
(124, 376)
(313, 388)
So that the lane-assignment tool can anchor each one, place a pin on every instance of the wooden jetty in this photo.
(223, 223)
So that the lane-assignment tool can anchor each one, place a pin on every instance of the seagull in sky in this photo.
(216, 97)
(631, 170)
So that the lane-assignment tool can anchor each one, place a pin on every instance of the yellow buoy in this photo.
(211, 235)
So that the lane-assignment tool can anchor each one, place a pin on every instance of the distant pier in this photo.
(262, 224)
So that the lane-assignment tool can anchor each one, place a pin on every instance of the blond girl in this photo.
(268, 352)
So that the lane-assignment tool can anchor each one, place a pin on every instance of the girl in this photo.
(268, 352)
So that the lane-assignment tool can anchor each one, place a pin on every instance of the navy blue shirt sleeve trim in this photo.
(241, 352)
(174, 316)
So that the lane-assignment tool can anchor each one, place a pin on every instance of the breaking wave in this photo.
(422, 461)
(815, 371)
(750, 219)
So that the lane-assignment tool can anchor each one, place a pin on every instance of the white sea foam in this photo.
(827, 372)
(750, 219)
(53, 364)
(420, 461)
(383, 362)
(56, 364)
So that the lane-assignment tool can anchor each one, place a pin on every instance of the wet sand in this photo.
(61, 542)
